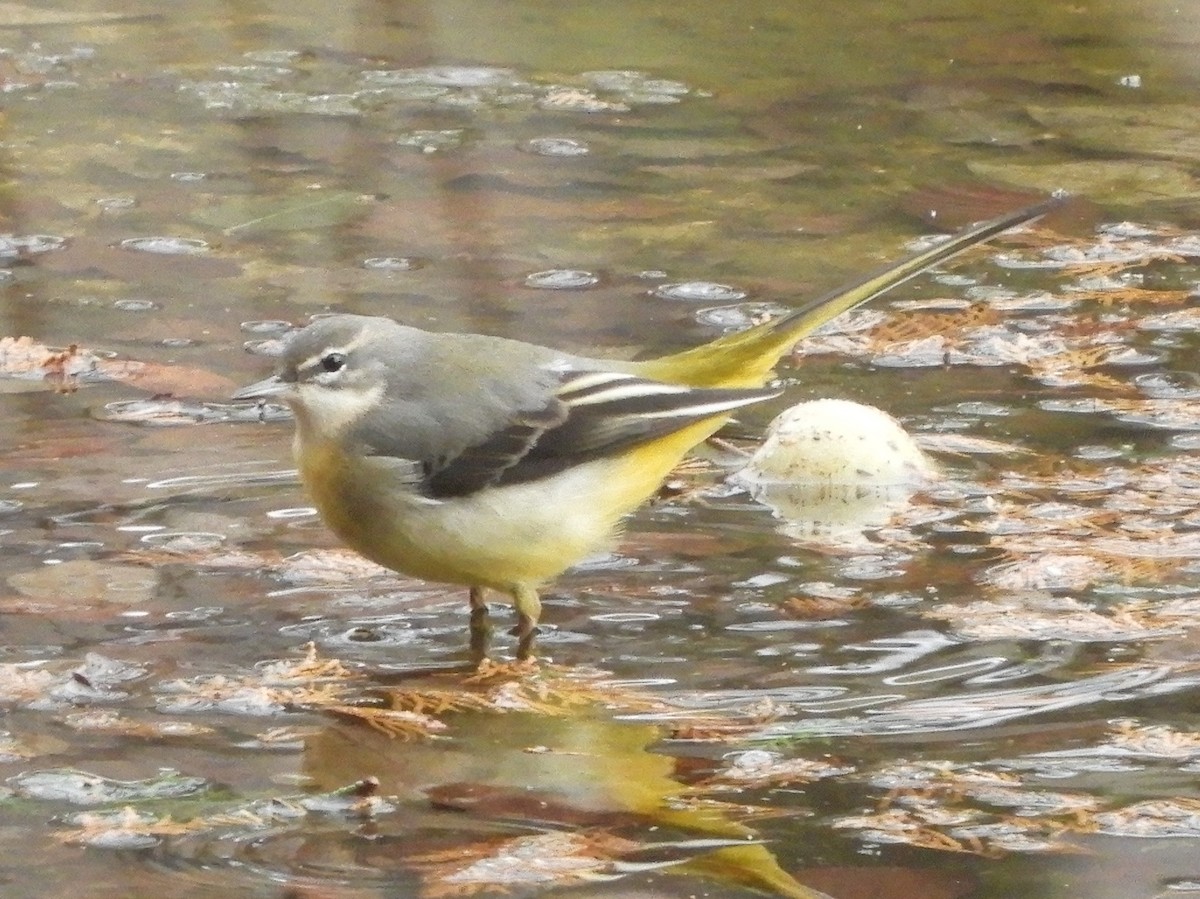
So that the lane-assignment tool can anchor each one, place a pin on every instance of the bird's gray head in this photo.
(334, 371)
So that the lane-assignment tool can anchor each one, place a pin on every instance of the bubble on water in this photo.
(166, 246)
(391, 263)
(561, 147)
(184, 542)
(741, 315)
(135, 305)
(178, 342)
(14, 245)
(266, 326)
(651, 274)
(561, 279)
(109, 204)
(699, 291)
(188, 176)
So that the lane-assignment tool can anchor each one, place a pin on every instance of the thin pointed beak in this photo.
(265, 389)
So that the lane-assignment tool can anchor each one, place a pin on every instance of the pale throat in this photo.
(323, 414)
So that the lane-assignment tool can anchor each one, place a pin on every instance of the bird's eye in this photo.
(332, 362)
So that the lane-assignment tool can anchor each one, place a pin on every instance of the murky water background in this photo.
(989, 694)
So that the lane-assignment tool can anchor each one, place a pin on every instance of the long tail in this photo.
(745, 358)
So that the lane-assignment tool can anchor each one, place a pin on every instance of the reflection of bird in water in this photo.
(589, 773)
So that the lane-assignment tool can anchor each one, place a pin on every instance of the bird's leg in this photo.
(529, 609)
(480, 630)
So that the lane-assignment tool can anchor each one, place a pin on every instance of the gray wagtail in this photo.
(498, 464)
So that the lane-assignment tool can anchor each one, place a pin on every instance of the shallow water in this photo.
(985, 689)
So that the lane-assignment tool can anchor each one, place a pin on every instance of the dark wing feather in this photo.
(593, 414)
(485, 463)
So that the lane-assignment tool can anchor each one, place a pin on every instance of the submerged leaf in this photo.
(1169, 130)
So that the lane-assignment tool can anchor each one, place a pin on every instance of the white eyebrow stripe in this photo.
(345, 349)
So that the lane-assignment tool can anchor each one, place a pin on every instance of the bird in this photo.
(497, 464)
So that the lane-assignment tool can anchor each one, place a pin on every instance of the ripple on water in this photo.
(84, 788)
(561, 279)
(166, 246)
(561, 147)
(699, 291)
(738, 316)
(184, 542)
(13, 246)
(442, 76)
(391, 263)
(114, 204)
(265, 326)
(136, 305)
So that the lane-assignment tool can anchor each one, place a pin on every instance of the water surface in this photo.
(988, 693)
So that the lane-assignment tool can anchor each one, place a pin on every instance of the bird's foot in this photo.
(512, 669)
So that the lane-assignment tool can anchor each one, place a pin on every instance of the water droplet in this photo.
(651, 274)
(167, 246)
(561, 279)
(700, 291)
(556, 146)
(391, 263)
(178, 342)
(135, 305)
(188, 177)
